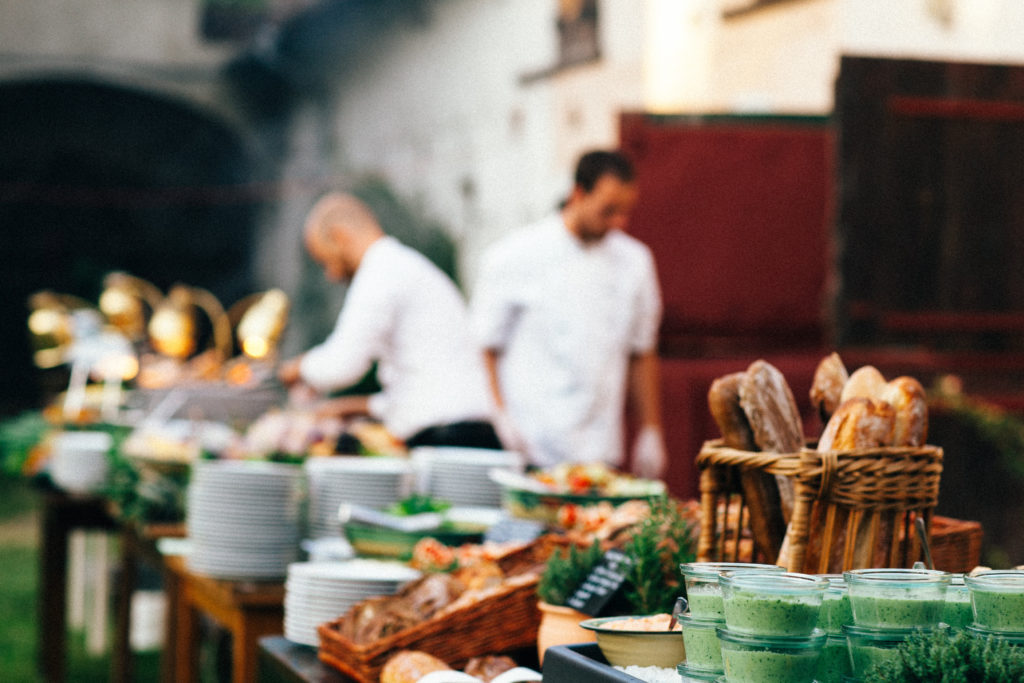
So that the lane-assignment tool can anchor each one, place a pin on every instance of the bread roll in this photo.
(489, 667)
(771, 409)
(409, 666)
(827, 387)
(724, 403)
(858, 423)
(907, 397)
(864, 382)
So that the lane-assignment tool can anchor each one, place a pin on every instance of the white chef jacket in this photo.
(565, 318)
(403, 312)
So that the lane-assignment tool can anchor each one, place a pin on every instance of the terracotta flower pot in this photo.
(560, 626)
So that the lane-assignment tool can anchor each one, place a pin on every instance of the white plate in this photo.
(357, 571)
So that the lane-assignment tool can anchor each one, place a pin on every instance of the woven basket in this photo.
(955, 544)
(741, 515)
(503, 619)
(861, 506)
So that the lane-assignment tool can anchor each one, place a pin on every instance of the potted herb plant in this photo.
(655, 549)
(565, 571)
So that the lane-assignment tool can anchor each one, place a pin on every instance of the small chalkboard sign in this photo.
(602, 584)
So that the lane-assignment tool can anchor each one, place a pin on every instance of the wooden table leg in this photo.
(186, 642)
(246, 631)
(53, 568)
(169, 654)
(61, 513)
(122, 666)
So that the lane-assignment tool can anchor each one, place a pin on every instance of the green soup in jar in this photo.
(701, 640)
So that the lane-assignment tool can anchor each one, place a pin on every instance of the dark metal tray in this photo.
(584, 662)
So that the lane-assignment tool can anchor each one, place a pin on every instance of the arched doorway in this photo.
(96, 177)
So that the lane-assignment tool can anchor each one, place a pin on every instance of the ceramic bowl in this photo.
(664, 649)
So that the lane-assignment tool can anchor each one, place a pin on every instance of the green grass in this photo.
(19, 567)
(16, 498)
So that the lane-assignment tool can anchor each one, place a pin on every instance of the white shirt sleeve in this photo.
(647, 308)
(493, 307)
(357, 339)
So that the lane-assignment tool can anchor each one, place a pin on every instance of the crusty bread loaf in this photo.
(409, 666)
(760, 490)
(489, 667)
(858, 423)
(827, 387)
(774, 418)
(724, 403)
(864, 382)
(907, 397)
(771, 409)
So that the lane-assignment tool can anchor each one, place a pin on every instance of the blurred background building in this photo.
(184, 141)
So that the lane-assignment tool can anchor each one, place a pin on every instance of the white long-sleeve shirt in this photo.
(403, 312)
(565, 318)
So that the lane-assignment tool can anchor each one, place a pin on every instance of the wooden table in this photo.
(282, 661)
(248, 610)
(138, 546)
(61, 514)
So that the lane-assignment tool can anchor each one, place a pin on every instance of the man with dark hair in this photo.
(567, 311)
(404, 313)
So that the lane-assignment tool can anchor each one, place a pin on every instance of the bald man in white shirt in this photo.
(405, 314)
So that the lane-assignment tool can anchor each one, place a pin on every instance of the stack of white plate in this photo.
(319, 592)
(243, 518)
(372, 481)
(461, 475)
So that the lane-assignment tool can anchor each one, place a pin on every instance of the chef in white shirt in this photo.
(567, 310)
(405, 314)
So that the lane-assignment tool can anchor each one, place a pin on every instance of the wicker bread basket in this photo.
(740, 520)
(857, 508)
(502, 619)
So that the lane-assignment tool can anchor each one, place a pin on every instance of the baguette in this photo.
(907, 397)
(864, 382)
(858, 423)
(827, 387)
(771, 409)
(724, 403)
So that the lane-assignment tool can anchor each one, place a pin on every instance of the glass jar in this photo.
(770, 659)
(997, 599)
(897, 598)
(702, 590)
(872, 646)
(772, 603)
(700, 636)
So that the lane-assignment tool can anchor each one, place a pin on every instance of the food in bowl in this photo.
(702, 589)
(957, 610)
(640, 647)
(700, 637)
(835, 606)
(655, 622)
(997, 597)
(772, 603)
(770, 659)
(690, 674)
(834, 660)
(897, 598)
(869, 646)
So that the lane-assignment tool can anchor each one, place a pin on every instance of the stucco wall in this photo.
(139, 31)
(954, 30)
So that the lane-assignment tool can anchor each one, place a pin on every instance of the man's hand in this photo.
(649, 457)
(289, 371)
(344, 407)
(507, 433)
